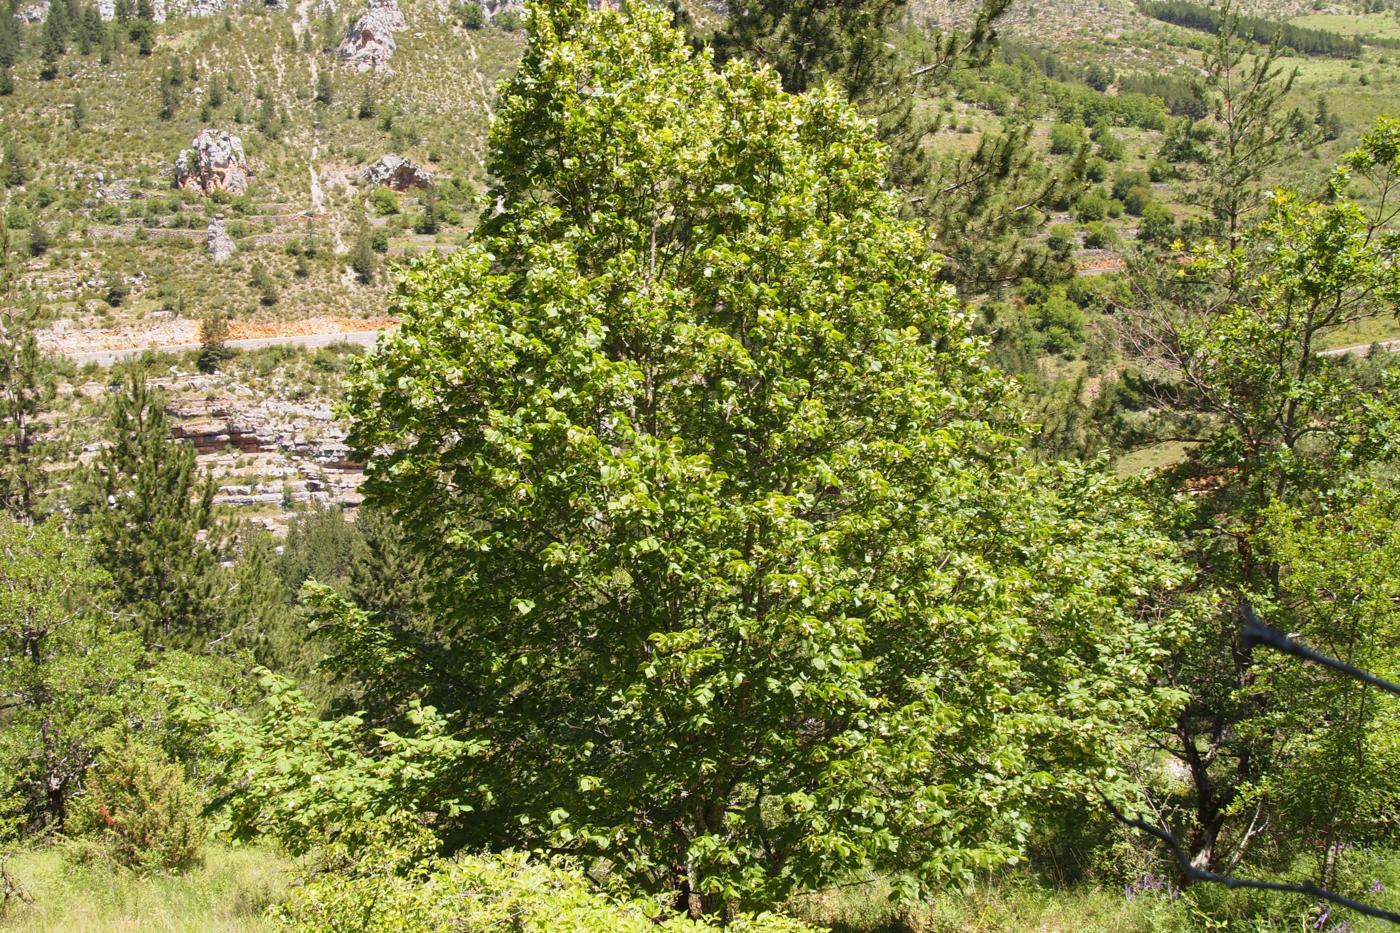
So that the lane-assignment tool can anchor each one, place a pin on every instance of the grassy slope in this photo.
(156, 239)
(230, 893)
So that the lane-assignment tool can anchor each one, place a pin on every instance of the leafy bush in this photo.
(141, 810)
(510, 891)
(1135, 201)
(384, 201)
(1098, 236)
(1158, 224)
(1065, 139)
(1090, 207)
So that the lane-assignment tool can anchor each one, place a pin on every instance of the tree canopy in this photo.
(738, 565)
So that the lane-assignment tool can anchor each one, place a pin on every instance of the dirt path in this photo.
(363, 338)
(1361, 349)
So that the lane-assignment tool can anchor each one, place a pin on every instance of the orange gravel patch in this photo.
(246, 330)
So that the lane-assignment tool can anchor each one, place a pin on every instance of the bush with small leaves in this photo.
(141, 810)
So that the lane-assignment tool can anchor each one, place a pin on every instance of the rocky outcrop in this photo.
(297, 451)
(203, 7)
(214, 162)
(398, 173)
(369, 42)
(218, 241)
(33, 12)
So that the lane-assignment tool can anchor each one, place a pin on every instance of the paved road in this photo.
(1360, 349)
(364, 338)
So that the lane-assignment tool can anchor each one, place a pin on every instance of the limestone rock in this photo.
(33, 12)
(203, 7)
(398, 173)
(218, 241)
(214, 162)
(369, 42)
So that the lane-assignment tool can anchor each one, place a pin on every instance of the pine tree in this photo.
(16, 168)
(368, 107)
(55, 42)
(431, 220)
(264, 283)
(154, 523)
(78, 115)
(324, 91)
(93, 32)
(27, 385)
(7, 82)
(362, 258)
(214, 350)
(1252, 127)
(39, 239)
(9, 38)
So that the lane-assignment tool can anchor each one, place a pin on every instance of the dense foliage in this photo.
(711, 562)
(690, 515)
(1208, 19)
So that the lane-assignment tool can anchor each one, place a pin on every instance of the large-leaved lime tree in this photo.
(738, 564)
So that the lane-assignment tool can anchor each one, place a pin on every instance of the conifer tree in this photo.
(39, 240)
(27, 385)
(431, 219)
(55, 41)
(154, 522)
(16, 167)
(325, 92)
(362, 258)
(9, 38)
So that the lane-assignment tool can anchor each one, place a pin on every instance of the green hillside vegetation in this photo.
(818, 478)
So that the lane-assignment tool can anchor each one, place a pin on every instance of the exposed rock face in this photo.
(33, 12)
(203, 7)
(214, 162)
(107, 9)
(398, 173)
(217, 240)
(298, 450)
(369, 42)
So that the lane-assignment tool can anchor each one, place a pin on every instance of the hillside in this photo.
(316, 94)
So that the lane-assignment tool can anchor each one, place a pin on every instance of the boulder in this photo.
(369, 42)
(398, 173)
(214, 162)
(218, 241)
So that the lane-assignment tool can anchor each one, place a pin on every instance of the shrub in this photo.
(471, 16)
(214, 350)
(141, 810)
(1158, 225)
(384, 201)
(1065, 139)
(1096, 170)
(1098, 236)
(1135, 200)
(1091, 206)
(510, 891)
(1060, 323)
(1062, 241)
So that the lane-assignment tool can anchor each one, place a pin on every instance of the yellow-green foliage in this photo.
(142, 810)
(478, 893)
(230, 893)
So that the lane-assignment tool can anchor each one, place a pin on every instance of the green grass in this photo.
(1352, 24)
(230, 893)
